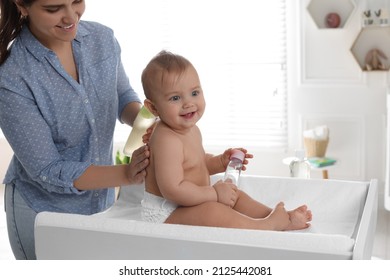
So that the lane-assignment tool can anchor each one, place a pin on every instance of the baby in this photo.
(178, 188)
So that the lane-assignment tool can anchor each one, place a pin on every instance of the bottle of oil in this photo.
(233, 169)
(142, 122)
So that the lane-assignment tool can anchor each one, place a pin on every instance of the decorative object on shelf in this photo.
(316, 141)
(376, 13)
(372, 46)
(370, 39)
(367, 19)
(384, 17)
(331, 14)
(373, 60)
(332, 20)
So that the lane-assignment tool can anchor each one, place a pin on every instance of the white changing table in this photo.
(343, 226)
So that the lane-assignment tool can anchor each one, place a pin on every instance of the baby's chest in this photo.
(194, 158)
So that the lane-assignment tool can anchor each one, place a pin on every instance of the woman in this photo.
(62, 87)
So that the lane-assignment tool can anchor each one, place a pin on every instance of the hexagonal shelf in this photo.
(370, 46)
(320, 9)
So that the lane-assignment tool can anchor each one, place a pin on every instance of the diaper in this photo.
(156, 209)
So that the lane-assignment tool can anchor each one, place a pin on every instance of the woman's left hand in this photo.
(136, 168)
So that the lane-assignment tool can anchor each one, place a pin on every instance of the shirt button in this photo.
(93, 120)
(96, 194)
(97, 159)
(86, 101)
(44, 178)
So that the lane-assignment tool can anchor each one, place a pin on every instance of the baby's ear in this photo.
(150, 106)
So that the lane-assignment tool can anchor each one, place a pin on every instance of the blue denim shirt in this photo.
(58, 127)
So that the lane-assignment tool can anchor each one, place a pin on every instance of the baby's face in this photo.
(180, 102)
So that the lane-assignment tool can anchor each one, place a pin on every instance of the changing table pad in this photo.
(343, 227)
(336, 213)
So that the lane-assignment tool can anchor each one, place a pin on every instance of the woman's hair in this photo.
(163, 63)
(11, 22)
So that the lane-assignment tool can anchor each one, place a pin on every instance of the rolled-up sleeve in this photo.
(126, 93)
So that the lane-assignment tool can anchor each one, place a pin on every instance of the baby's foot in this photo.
(279, 218)
(299, 218)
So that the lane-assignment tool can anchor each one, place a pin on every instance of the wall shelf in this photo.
(319, 9)
(369, 38)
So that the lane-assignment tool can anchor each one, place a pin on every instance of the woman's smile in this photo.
(68, 28)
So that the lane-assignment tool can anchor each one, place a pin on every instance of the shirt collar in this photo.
(38, 50)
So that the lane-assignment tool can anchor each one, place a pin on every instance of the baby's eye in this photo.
(195, 93)
(174, 98)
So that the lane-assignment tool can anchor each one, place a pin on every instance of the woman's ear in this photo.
(150, 106)
(22, 9)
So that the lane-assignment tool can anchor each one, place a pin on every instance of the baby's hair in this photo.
(163, 63)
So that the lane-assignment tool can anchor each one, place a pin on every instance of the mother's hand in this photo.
(148, 134)
(136, 168)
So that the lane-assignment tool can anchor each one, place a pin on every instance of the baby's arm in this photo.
(174, 182)
(215, 164)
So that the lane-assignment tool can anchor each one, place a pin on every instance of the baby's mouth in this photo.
(188, 115)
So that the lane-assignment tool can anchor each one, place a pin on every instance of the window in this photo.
(238, 48)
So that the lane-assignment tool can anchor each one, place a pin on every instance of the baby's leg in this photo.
(215, 214)
(300, 217)
(251, 207)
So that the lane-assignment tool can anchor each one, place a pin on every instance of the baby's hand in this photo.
(225, 157)
(226, 193)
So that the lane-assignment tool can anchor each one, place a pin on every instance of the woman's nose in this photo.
(70, 15)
